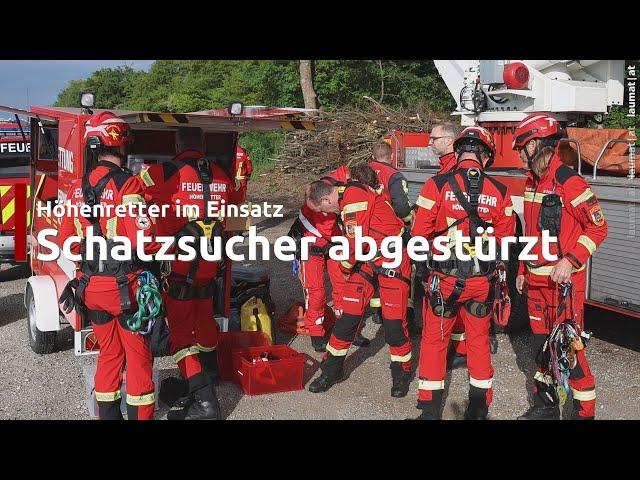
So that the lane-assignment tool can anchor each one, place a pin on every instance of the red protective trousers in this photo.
(356, 294)
(436, 335)
(193, 332)
(312, 272)
(542, 302)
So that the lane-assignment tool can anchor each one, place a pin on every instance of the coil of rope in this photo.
(149, 304)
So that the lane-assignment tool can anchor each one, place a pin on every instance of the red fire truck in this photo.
(15, 148)
(497, 94)
(58, 158)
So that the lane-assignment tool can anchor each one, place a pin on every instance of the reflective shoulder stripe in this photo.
(138, 400)
(337, 353)
(78, 225)
(132, 198)
(583, 396)
(108, 396)
(480, 383)
(587, 243)
(430, 384)
(185, 352)
(458, 337)
(533, 197)
(202, 348)
(307, 224)
(508, 211)
(401, 358)
(584, 196)
(425, 202)
(541, 377)
(355, 207)
(146, 178)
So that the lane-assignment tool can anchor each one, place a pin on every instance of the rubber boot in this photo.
(477, 408)
(110, 410)
(332, 373)
(431, 409)
(400, 380)
(319, 344)
(361, 341)
(203, 404)
(209, 363)
(545, 404)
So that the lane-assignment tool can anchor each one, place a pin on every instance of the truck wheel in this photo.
(40, 342)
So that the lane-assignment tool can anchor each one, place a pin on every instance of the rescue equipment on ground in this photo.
(270, 369)
(292, 321)
(502, 301)
(256, 313)
(229, 341)
(558, 355)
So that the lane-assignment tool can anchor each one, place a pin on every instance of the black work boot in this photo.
(332, 373)
(577, 408)
(110, 410)
(209, 363)
(361, 341)
(546, 405)
(201, 405)
(477, 408)
(431, 409)
(376, 315)
(400, 379)
(414, 329)
(319, 344)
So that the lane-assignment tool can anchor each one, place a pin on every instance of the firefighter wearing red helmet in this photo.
(104, 291)
(360, 206)
(468, 200)
(559, 200)
(191, 179)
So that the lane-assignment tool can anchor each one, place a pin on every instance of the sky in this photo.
(37, 82)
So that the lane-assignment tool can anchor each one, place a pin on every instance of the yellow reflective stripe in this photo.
(335, 352)
(185, 352)
(425, 202)
(112, 225)
(346, 264)
(355, 207)
(508, 211)
(545, 270)
(401, 358)
(584, 196)
(430, 384)
(587, 243)
(78, 225)
(458, 337)
(132, 198)
(137, 400)
(480, 383)
(535, 198)
(583, 396)
(9, 210)
(108, 396)
(375, 303)
(202, 348)
(541, 377)
(146, 178)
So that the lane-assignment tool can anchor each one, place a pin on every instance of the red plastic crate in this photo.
(228, 341)
(282, 375)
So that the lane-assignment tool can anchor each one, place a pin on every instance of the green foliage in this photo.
(263, 148)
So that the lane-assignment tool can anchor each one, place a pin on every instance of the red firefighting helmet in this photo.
(105, 129)
(476, 139)
(536, 125)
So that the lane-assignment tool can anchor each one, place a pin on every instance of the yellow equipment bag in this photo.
(255, 315)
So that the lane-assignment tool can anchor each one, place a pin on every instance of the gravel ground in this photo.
(52, 386)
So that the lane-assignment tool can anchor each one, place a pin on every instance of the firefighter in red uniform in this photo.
(242, 169)
(441, 140)
(580, 227)
(191, 179)
(314, 223)
(105, 290)
(470, 201)
(360, 206)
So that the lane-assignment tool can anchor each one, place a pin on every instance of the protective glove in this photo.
(68, 297)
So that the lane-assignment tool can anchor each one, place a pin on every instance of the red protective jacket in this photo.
(361, 206)
(438, 207)
(176, 182)
(122, 189)
(323, 226)
(242, 169)
(447, 163)
(583, 226)
(394, 188)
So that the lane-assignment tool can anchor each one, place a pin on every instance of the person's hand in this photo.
(561, 273)
(519, 283)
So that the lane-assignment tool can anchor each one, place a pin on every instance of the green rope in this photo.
(149, 301)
